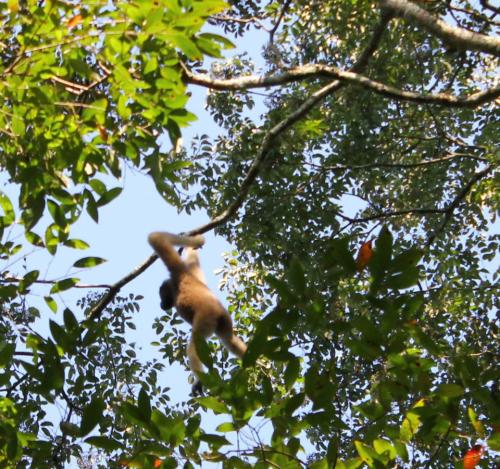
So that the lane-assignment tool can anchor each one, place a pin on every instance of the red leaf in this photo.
(473, 456)
(103, 133)
(365, 255)
(72, 22)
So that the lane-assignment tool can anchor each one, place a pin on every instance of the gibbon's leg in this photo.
(163, 242)
(203, 326)
(195, 365)
(226, 335)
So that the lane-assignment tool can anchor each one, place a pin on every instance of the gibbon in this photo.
(187, 291)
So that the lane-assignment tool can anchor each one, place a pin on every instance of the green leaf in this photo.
(9, 215)
(338, 254)
(70, 321)
(70, 429)
(76, 244)
(226, 427)
(406, 260)
(450, 390)
(494, 441)
(28, 280)
(98, 186)
(60, 336)
(56, 213)
(411, 423)
(203, 351)
(104, 442)
(292, 372)
(108, 196)
(85, 262)
(18, 127)
(92, 415)
(296, 276)
(321, 464)
(367, 454)
(64, 285)
(144, 404)
(382, 253)
(51, 303)
(186, 45)
(34, 239)
(384, 446)
(214, 404)
(476, 423)
(92, 209)
(214, 440)
(405, 279)
(6, 353)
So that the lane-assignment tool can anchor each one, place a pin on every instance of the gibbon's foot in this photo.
(197, 389)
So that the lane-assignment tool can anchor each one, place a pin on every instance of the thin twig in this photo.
(395, 165)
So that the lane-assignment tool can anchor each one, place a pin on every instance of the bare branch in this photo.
(98, 308)
(456, 37)
(76, 88)
(319, 70)
(486, 4)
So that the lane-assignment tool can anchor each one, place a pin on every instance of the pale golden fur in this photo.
(193, 300)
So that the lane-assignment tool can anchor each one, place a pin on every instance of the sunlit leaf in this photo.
(473, 456)
(86, 262)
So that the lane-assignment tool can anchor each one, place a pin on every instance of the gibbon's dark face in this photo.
(167, 295)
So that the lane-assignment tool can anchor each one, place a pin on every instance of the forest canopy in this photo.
(353, 174)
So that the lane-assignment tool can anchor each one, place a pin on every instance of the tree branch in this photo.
(395, 165)
(284, 8)
(52, 282)
(455, 37)
(319, 70)
(108, 297)
(390, 214)
(448, 212)
(252, 172)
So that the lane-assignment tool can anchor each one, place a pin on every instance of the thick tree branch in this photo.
(254, 168)
(325, 71)
(455, 37)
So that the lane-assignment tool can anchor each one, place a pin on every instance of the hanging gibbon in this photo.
(187, 291)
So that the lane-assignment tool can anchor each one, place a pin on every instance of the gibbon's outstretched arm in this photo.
(195, 303)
